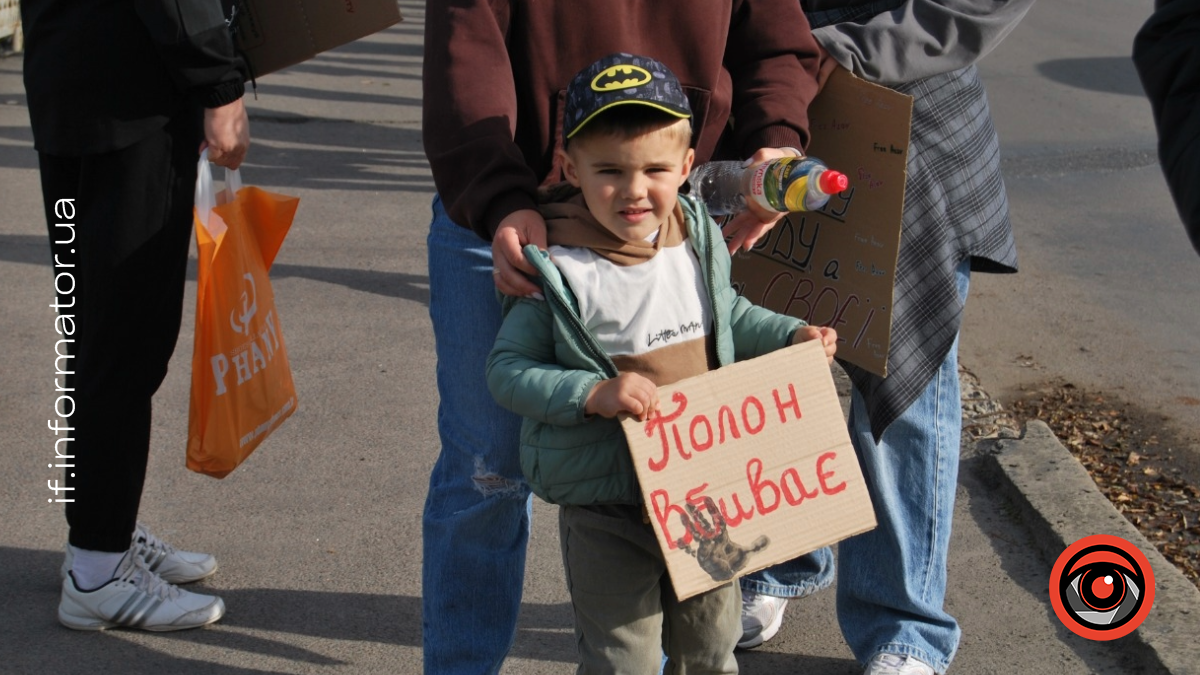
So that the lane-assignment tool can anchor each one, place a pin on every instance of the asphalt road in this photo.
(1106, 298)
(319, 532)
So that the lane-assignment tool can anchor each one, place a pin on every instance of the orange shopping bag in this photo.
(242, 386)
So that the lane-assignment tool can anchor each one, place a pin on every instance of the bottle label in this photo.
(797, 191)
(782, 184)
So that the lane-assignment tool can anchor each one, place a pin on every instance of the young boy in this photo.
(637, 295)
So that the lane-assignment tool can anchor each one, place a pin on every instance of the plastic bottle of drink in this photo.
(780, 185)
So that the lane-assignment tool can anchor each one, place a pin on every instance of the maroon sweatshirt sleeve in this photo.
(469, 115)
(772, 59)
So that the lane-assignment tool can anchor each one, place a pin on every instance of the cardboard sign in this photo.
(747, 466)
(274, 34)
(837, 266)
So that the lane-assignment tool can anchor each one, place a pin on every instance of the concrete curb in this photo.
(1061, 504)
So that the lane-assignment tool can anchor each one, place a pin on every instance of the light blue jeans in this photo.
(477, 511)
(892, 582)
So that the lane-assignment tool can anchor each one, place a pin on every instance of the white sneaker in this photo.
(762, 615)
(136, 598)
(894, 664)
(173, 565)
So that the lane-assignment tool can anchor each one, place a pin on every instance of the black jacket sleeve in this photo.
(1166, 53)
(195, 44)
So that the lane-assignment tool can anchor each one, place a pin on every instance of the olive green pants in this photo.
(626, 613)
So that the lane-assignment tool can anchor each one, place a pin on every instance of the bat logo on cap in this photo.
(618, 77)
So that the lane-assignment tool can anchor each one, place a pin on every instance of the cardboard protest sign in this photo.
(747, 466)
(836, 266)
(274, 34)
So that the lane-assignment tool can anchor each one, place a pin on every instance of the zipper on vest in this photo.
(706, 264)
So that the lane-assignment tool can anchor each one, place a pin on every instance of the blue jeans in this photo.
(892, 584)
(477, 512)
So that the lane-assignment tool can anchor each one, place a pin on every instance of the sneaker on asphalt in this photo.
(173, 565)
(762, 615)
(894, 664)
(136, 598)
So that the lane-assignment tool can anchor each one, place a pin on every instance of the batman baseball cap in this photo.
(622, 79)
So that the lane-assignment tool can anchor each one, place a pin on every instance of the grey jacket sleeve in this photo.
(921, 38)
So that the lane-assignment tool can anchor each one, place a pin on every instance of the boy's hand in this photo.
(826, 335)
(628, 392)
(747, 226)
(508, 261)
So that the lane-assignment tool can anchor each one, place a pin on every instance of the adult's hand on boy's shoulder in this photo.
(744, 229)
(515, 231)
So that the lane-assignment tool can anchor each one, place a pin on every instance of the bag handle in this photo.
(206, 196)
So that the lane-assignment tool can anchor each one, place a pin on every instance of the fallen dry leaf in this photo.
(1121, 450)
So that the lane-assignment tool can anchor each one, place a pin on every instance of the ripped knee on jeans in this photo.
(491, 484)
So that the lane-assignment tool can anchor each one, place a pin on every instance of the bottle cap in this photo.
(833, 182)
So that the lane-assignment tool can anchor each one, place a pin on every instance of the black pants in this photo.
(120, 257)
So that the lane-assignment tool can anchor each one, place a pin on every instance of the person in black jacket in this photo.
(1166, 53)
(123, 95)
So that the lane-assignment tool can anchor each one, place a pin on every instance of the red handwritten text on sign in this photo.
(766, 495)
(725, 426)
(752, 414)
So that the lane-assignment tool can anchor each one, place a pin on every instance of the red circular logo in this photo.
(1102, 587)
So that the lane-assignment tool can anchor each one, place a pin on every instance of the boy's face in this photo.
(631, 185)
